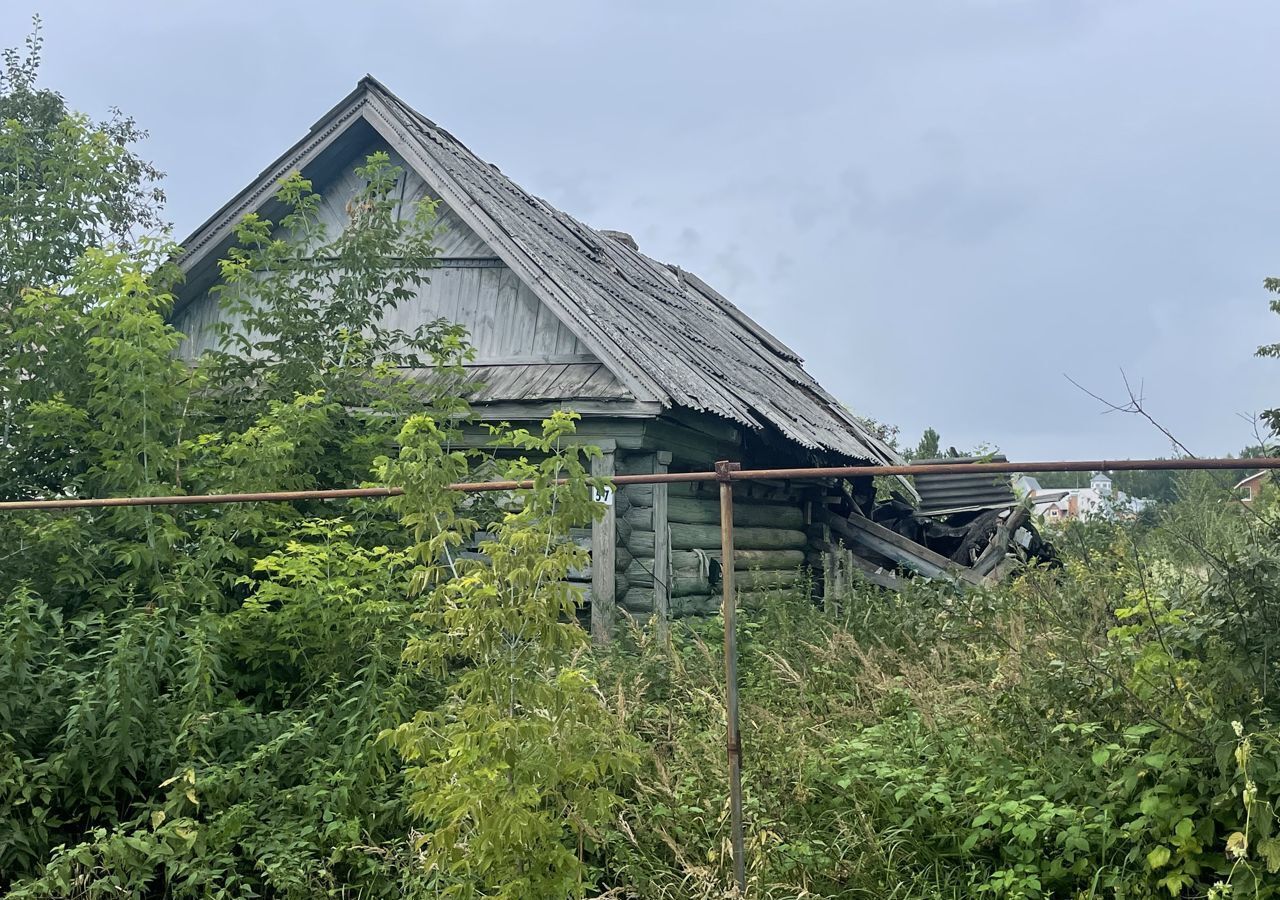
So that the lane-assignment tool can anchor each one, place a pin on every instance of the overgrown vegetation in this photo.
(299, 700)
(1107, 730)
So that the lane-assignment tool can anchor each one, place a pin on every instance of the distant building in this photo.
(1099, 500)
(1252, 486)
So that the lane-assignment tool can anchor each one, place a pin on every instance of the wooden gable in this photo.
(523, 351)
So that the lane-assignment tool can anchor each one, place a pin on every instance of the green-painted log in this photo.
(639, 494)
(707, 537)
(638, 600)
(707, 512)
(640, 517)
(687, 560)
(640, 544)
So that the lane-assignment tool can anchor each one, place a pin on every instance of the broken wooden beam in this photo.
(904, 552)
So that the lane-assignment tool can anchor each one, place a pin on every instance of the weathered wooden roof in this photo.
(665, 334)
(531, 382)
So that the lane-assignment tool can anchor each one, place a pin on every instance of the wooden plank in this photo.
(546, 331)
(483, 307)
(517, 332)
(457, 239)
(661, 549)
(603, 383)
(603, 540)
(991, 557)
(902, 551)
(874, 573)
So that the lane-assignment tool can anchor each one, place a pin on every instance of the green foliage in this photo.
(66, 183)
(1272, 416)
(516, 770)
(930, 446)
(1108, 730)
(394, 698)
(325, 328)
(191, 697)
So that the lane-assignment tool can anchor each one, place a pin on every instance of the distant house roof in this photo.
(666, 335)
(1256, 476)
(1046, 497)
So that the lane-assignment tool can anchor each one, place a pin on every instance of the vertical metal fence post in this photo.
(733, 742)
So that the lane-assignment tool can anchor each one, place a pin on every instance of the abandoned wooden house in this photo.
(666, 373)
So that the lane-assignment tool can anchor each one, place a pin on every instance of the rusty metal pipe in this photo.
(1088, 465)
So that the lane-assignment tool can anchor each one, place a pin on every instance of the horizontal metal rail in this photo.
(966, 468)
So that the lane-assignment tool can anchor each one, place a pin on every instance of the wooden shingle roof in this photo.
(666, 334)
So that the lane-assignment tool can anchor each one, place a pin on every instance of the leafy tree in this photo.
(192, 698)
(67, 185)
(1272, 416)
(930, 446)
(517, 770)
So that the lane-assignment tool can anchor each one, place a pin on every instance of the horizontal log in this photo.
(640, 544)
(763, 581)
(639, 494)
(707, 512)
(641, 572)
(707, 537)
(706, 490)
(684, 585)
(688, 585)
(687, 560)
(744, 491)
(695, 605)
(638, 600)
(640, 517)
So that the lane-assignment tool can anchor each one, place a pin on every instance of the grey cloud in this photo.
(920, 198)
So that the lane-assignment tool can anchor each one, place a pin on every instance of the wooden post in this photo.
(830, 562)
(733, 741)
(661, 550)
(604, 538)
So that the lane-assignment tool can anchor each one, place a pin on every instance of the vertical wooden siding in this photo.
(471, 287)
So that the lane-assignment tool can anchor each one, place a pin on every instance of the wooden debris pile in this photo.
(971, 534)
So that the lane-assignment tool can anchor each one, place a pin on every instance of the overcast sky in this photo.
(945, 207)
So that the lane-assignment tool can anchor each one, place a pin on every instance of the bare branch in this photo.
(1133, 407)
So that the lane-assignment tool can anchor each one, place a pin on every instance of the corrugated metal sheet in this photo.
(665, 323)
(942, 495)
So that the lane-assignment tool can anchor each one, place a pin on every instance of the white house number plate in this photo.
(604, 496)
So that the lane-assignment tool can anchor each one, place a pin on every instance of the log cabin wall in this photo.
(771, 542)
